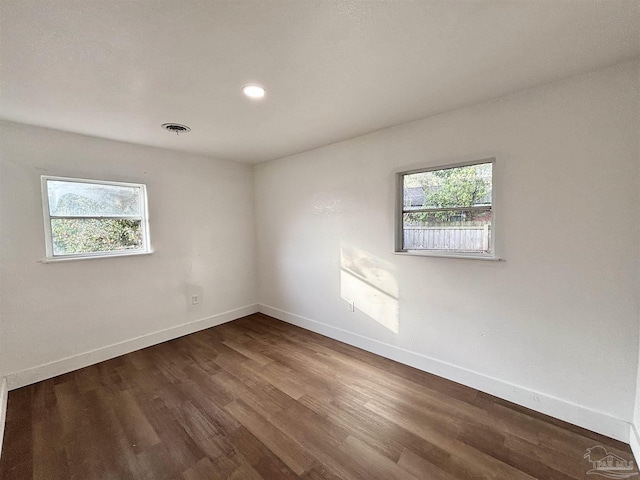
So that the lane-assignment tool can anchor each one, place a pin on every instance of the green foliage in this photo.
(459, 187)
(83, 235)
(455, 187)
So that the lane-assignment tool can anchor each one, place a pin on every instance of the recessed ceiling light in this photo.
(176, 128)
(253, 91)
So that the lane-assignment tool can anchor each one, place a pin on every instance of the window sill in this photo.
(93, 257)
(419, 253)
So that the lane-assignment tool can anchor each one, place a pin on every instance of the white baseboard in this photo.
(634, 441)
(4, 394)
(65, 365)
(565, 410)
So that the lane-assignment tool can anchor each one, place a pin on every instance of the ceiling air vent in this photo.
(176, 128)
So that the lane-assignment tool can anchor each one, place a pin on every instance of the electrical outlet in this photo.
(195, 299)
(351, 306)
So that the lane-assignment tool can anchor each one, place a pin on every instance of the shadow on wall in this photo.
(370, 283)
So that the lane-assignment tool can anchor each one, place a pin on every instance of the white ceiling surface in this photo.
(332, 69)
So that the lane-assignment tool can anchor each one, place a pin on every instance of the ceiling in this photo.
(332, 69)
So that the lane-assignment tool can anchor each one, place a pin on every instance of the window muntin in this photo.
(447, 210)
(91, 218)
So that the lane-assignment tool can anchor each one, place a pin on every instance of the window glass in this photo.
(92, 199)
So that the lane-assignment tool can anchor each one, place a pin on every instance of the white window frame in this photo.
(400, 210)
(143, 217)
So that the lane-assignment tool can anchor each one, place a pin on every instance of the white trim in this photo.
(4, 394)
(65, 365)
(92, 180)
(93, 256)
(448, 166)
(634, 441)
(424, 253)
(565, 410)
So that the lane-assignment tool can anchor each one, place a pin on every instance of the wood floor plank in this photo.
(321, 437)
(180, 449)
(245, 472)
(261, 459)
(421, 468)
(202, 430)
(284, 379)
(116, 452)
(245, 372)
(256, 399)
(52, 462)
(205, 469)
(445, 436)
(155, 463)
(287, 449)
(16, 460)
(139, 432)
(366, 425)
(259, 399)
(369, 463)
(82, 448)
(249, 352)
(319, 472)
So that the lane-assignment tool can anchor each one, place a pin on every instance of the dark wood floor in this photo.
(259, 399)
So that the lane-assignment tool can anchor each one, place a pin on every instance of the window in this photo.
(91, 218)
(446, 211)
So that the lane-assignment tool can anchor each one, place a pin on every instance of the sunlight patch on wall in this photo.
(371, 284)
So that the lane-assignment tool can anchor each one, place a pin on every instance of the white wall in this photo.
(202, 232)
(554, 326)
